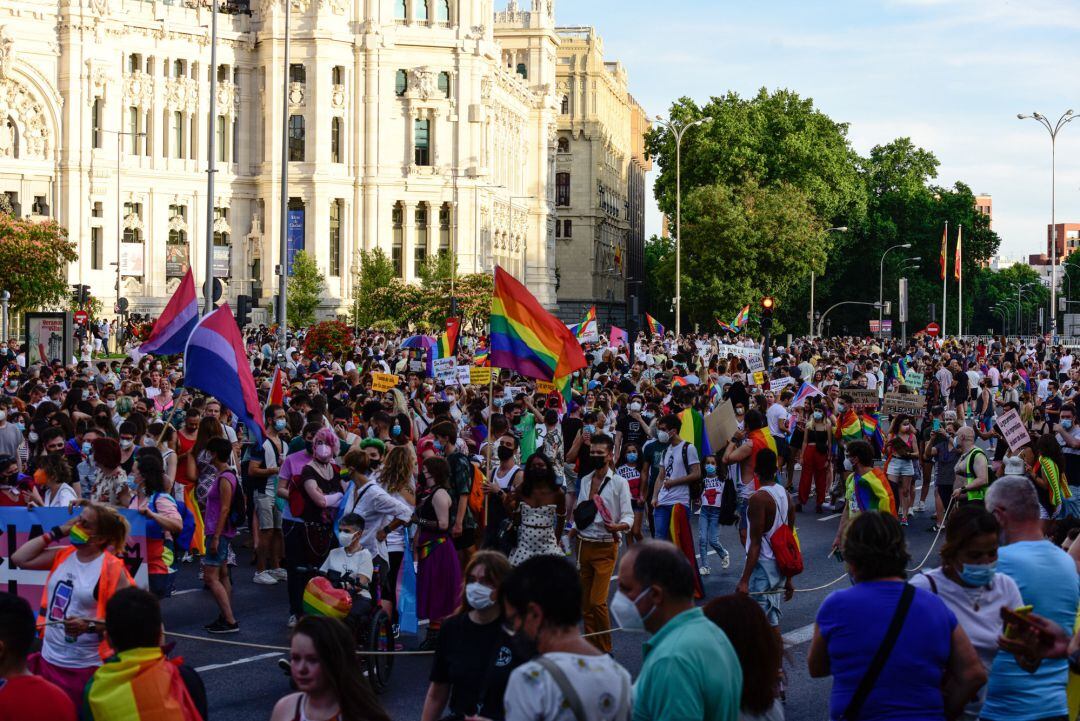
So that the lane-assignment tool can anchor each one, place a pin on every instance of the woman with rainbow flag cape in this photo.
(1050, 483)
(865, 489)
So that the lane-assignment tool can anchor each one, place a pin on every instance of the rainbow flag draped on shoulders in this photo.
(139, 684)
(526, 338)
(761, 439)
(848, 426)
(654, 326)
(871, 492)
(692, 431)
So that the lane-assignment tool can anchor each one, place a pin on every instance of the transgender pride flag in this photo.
(216, 364)
(174, 325)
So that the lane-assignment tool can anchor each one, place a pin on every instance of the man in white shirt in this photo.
(680, 467)
(599, 538)
(1065, 366)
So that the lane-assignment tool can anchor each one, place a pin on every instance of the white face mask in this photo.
(663, 436)
(345, 538)
(626, 613)
(635, 407)
(479, 596)
(847, 464)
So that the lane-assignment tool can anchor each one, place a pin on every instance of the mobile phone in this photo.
(937, 424)
(1016, 619)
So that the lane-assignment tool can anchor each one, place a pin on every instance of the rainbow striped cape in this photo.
(693, 431)
(761, 439)
(679, 532)
(526, 338)
(848, 426)
(654, 325)
(871, 492)
(139, 684)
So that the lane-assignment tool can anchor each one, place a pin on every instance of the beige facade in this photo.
(599, 128)
(414, 126)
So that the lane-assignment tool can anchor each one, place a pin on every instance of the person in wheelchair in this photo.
(350, 567)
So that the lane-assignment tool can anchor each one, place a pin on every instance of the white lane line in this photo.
(186, 590)
(711, 552)
(237, 662)
(799, 635)
(830, 517)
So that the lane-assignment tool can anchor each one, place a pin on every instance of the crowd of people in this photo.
(516, 505)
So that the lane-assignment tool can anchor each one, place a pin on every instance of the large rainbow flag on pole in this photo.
(742, 317)
(654, 326)
(587, 326)
(526, 338)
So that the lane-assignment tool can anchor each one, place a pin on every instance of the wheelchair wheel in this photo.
(380, 638)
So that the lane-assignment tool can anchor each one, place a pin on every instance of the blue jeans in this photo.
(662, 521)
(709, 533)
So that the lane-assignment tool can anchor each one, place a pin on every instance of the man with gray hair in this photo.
(1047, 579)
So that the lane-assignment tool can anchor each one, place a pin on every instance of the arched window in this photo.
(523, 71)
(442, 11)
(401, 11)
(401, 83)
(444, 83)
(564, 145)
(422, 13)
(565, 110)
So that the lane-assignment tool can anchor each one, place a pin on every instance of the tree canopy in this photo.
(35, 258)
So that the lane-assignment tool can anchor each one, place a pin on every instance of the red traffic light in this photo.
(767, 303)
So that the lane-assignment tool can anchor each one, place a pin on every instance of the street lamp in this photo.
(881, 280)
(1069, 277)
(283, 242)
(1053, 129)
(679, 131)
(837, 229)
(5, 298)
(1019, 290)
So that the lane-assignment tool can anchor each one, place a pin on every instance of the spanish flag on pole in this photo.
(956, 260)
(943, 260)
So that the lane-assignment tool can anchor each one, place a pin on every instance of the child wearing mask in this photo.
(630, 468)
(718, 504)
(352, 565)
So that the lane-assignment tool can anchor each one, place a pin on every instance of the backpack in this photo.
(476, 492)
(237, 513)
(786, 550)
(181, 540)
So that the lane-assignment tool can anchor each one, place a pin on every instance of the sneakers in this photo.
(903, 520)
(704, 570)
(725, 561)
(221, 626)
(265, 578)
(285, 665)
(291, 623)
(188, 558)
(395, 630)
(918, 507)
(279, 573)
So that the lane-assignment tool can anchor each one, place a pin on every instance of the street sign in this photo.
(886, 326)
(875, 326)
(933, 329)
(82, 317)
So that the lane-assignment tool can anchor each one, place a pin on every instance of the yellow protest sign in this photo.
(545, 387)
(479, 376)
(381, 382)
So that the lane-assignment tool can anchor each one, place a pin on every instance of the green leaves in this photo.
(306, 287)
(35, 258)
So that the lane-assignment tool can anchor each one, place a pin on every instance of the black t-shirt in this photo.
(632, 430)
(474, 658)
(571, 426)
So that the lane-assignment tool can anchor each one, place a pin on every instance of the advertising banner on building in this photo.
(295, 235)
(131, 259)
(48, 337)
(221, 260)
(176, 260)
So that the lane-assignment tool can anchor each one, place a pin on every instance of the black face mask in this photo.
(505, 453)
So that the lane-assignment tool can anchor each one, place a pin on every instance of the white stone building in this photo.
(414, 126)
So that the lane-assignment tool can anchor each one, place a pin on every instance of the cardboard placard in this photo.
(757, 378)
(545, 387)
(513, 391)
(1012, 428)
(779, 383)
(382, 382)
(463, 375)
(897, 403)
(755, 363)
(721, 425)
(416, 366)
(444, 369)
(862, 398)
(914, 380)
(479, 376)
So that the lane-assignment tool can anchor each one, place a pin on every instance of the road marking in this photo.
(186, 590)
(799, 635)
(710, 553)
(237, 662)
(830, 517)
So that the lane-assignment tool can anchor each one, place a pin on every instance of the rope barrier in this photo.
(268, 647)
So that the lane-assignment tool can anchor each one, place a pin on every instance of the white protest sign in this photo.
(463, 373)
(1012, 428)
(778, 383)
(444, 369)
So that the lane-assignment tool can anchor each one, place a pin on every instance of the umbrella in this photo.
(420, 342)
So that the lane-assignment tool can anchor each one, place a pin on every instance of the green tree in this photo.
(35, 257)
(306, 286)
(997, 296)
(375, 271)
(1069, 273)
(660, 279)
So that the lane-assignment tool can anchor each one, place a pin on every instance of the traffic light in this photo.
(243, 310)
(767, 306)
(80, 294)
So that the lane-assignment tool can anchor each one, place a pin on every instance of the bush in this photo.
(328, 337)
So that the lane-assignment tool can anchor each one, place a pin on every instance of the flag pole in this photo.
(944, 278)
(960, 280)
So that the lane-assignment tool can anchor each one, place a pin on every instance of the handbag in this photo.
(854, 707)
(585, 512)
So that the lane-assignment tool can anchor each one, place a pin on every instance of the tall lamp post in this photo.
(838, 229)
(678, 131)
(1053, 129)
(1019, 305)
(283, 249)
(881, 280)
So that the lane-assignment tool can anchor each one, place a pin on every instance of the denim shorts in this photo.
(219, 558)
(901, 467)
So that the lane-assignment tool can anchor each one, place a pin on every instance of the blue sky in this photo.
(950, 74)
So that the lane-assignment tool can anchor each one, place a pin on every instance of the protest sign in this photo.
(545, 387)
(862, 398)
(1012, 428)
(897, 403)
(18, 525)
(463, 375)
(777, 384)
(915, 380)
(416, 366)
(479, 376)
(513, 391)
(444, 369)
(382, 382)
(721, 425)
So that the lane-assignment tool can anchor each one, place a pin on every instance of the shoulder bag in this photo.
(854, 707)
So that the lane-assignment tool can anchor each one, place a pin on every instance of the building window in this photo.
(422, 13)
(132, 235)
(523, 71)
(193, 137)
(558, 228)
(221, 237)
(442, 12)
(222, 73)
(235, 140)
(565, 109)
(177, 218)
(219, 139)
(178, 134)
(95, 119)
(444, 228)
(337, 75)
(568, 228)
(444, 84)
(401, 11)
(422, 142)
(564, 145)
(562, 189)
(133, 131)
(296, 138)
(401, 83)
(97, 242)
(297, 74)
(98, 211)
(335, 237)
(148, 134)
(39, 206)
(134, 63)
(178, 68)
(335, 140)
(420, 250)
(397, 218)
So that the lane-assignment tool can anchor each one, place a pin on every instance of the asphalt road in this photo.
(244, 683)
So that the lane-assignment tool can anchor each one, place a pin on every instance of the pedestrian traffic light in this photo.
(767, 305)
(243, 310)
(80, 294)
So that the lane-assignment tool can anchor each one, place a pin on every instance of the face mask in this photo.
(590, 428)
(740, 411)
(126, 444)
(396, 430)
(499, 402)
(978, 574)
(663, 436)
(631, 457)
(345, 538)
(86, 448)
(647, 415)
(635, 407)
(1067, 423)
(437, 444)
(110, 404)
(840, 407)
(505, 453)
(85, 394)
(323, 453)
(710, 469)
(21, 427)
(280, 424)
(818, 415)
(33, 437)
(847, 464)
(626, 614)
(479, 596)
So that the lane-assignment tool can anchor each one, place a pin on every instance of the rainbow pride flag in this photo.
(589, 320)
(679, 533)
(727, 328)
(714, 391)
(871, 492)
(693, 431)
(480, 358)
(139, 684)
(526, 338)
(761, 439)
(322, 599)
(447, 345)
(742, 317)
(654, 326)
(677, 381)
(871, 425)
(849, 427)
(806, 390)
(198, 539)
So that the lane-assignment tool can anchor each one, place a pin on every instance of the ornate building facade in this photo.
(415, 126)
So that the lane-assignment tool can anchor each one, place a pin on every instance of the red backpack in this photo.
(786, 550)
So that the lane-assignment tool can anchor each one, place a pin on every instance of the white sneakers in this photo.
(265, 578)
(705, 571)
(279, 573)
(725, 561)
